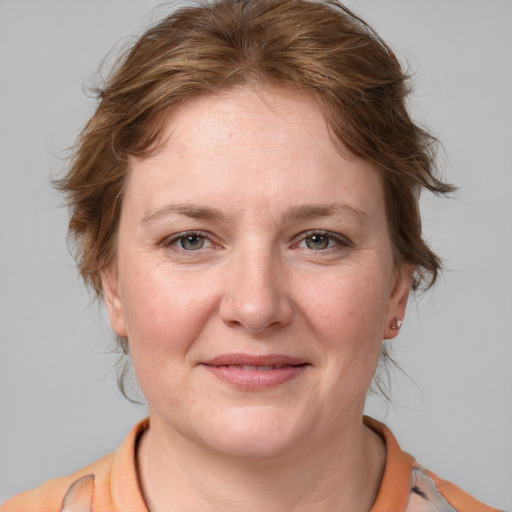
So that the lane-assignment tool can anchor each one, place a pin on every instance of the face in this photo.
(254, 276)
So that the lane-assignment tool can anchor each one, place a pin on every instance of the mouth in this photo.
(261, 368)
(256, 372)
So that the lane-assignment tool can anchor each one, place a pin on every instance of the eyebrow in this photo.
(307, 211)
(299, 212)
(192, 211)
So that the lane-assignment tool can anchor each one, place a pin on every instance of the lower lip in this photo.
(256, 379)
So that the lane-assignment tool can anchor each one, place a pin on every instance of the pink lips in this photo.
(255, 372)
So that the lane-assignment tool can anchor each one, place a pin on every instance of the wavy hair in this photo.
(313, 47)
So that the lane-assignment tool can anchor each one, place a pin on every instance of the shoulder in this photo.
(428, 490)
(406, 486)
(50, 496)
(109, 484)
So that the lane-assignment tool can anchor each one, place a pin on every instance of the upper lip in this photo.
(253, 360)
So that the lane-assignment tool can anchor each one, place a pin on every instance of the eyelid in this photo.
(337, 237)
(170, 241)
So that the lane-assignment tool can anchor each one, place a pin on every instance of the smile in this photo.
(253, 373)
(254, 367)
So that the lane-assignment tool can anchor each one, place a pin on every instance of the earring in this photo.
(397, 323)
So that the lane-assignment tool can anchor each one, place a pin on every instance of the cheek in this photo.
(347, 314)
(349, 302)
(164, 314)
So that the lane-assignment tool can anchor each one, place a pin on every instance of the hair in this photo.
(316, 48)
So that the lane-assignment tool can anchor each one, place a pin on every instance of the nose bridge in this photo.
(256, 296)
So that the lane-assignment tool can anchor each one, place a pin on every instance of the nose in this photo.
(257, 294)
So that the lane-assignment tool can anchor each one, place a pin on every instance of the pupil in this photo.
(317, 242)
(192, 242)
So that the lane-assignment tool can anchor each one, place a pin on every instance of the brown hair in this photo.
(318, 48)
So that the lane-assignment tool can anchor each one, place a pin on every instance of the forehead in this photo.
(267, 144)
(271, 118)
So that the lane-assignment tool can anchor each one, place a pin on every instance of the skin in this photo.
(290, 255)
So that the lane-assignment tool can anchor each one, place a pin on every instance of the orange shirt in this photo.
(111, 485)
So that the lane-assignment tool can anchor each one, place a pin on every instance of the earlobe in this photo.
(113, 302)
(397, 302)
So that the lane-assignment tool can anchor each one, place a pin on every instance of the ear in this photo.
(397, 301)
(113, 302)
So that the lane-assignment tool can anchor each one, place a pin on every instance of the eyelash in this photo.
(335, 241)
(339, 240)
(171, 242)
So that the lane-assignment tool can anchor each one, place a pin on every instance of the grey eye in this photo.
(317, 242)
(191, 242)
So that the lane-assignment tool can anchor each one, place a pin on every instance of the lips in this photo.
(271, 360)
(250, 372)
(254, 367)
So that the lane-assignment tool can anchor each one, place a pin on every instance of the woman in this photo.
(245, 199)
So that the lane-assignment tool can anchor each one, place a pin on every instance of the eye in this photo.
(188, 241)
(191, 242)
(318, 242)
(321, 241)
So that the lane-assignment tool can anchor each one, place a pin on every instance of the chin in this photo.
(255, 432)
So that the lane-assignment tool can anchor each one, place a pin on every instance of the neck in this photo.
(179, 474)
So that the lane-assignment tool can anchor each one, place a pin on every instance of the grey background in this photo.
(59, 405)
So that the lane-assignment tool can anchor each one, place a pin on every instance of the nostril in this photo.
(233, 323)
